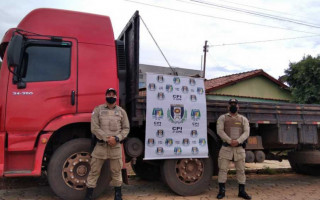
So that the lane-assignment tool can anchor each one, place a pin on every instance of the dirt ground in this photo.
(280, 183)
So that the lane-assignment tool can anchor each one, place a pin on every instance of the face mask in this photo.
(233, 109)
(111, 100)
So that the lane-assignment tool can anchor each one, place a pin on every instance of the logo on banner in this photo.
(202, 141)
(177, 150)
(157, 113)
(152, 86)
(194, 133)
(159, 150)
(150, 142)
(160, 78)
(192, 81)
(176, 113)
(193, 98)
(160, 133)
(176, 80)
(185, 142)
(169, 142)
(160, 95)
(194, 150)
(200, 90)
(169, 88)
(185, 89)
(195, 114)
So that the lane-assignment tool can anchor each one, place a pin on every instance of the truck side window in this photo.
(46, 63)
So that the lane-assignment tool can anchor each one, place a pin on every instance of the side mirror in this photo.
(14, 50)
(21, 85)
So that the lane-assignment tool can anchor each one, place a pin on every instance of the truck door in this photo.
(49, 69)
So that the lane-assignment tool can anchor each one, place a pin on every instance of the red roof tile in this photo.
(223, 81)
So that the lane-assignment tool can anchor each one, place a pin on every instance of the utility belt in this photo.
(239, 145)
(101, 141)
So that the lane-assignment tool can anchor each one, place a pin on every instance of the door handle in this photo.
(73, 97)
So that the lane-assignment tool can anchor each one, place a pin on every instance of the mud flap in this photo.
(125, 176)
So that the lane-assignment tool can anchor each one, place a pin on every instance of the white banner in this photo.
(176, 121)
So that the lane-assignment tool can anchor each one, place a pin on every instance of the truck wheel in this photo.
(313, 170)
(189, 176)
(69, 167)
(260, 156)
(250, 157)
(146, 171)
(302, 168)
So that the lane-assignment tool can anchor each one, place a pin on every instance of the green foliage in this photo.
(268, 170)
(303, 78)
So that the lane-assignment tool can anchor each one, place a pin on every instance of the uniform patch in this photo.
(237, 123)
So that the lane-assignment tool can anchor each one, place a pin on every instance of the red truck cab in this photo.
(60, 65)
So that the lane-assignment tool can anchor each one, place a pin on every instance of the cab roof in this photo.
(86, 27)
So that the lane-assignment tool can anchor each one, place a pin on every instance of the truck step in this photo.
(18, 173)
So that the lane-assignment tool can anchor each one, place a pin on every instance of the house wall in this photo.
(257, 88)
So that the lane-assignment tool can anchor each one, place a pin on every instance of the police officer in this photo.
(110, 124)
(233, 129)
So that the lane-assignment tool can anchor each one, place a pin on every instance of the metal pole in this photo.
(205, 50)
(201, 62)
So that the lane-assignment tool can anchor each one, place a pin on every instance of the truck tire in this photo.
(260, 156)
(250, 157)
(146, 171)
(189, 176)
(313, 170)
(300, 168)
(68, 170)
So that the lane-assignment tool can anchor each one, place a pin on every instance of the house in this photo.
(251, 86)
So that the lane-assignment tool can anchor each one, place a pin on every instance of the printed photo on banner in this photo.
(193, 98)
(160, 95)
(185, 89)
(160, 133)
(157, 113)
(152, 86)
(195, 114)
(192, 81)
(176, 80)
(169, 88)
(160, 78)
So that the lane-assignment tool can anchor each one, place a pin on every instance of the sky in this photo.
(181, 28)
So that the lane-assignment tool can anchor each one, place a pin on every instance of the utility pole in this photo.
(201, 62)
(205, 50)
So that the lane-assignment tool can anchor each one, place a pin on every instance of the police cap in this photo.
(111, 90)
(233, 101)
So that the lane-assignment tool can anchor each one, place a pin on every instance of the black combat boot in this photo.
(117, 193)
(242, 192)
(89, 194)
(222, 191)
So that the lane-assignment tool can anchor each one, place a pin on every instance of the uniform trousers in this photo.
(224, 167)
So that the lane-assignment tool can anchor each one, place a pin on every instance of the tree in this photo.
(303, 78)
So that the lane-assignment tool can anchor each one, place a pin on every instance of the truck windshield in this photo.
(46, 63)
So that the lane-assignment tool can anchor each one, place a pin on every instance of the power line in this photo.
(259, 8)
(260, 14)
(221, 18)
(272, 40)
